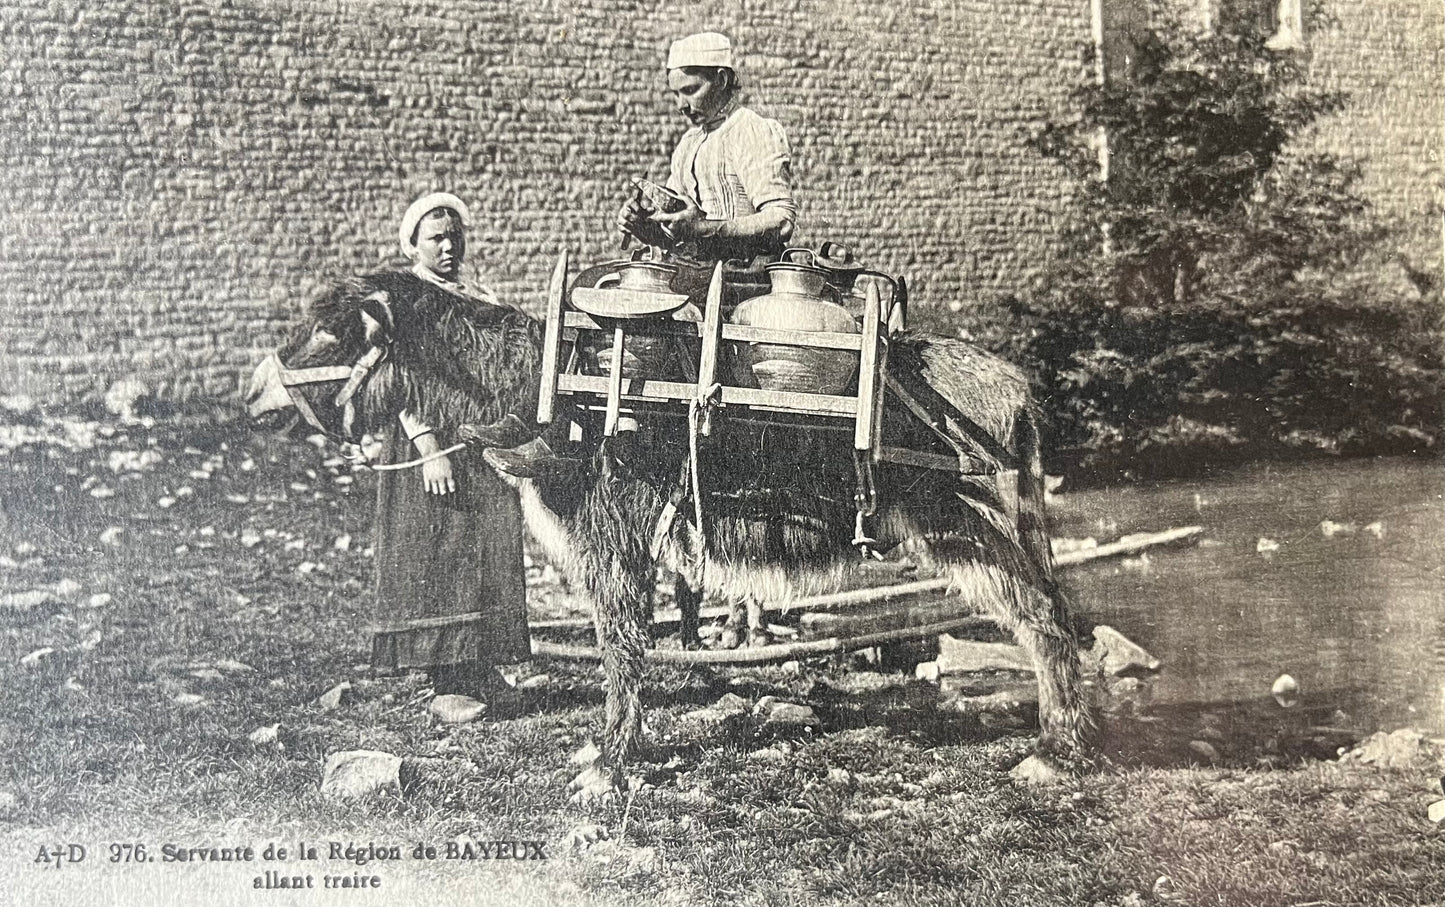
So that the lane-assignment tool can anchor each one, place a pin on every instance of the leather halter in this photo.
(353, 375)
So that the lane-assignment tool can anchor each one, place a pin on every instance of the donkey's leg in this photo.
(623, 617)
(689, 605)
(1040, 623)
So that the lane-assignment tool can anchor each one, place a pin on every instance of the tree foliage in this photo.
(1208, 301)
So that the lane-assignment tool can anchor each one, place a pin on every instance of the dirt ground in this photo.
(174, 601)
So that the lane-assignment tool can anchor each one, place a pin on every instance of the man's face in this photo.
(698, 97)
(441, 244)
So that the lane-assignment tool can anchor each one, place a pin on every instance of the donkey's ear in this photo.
(376, 315)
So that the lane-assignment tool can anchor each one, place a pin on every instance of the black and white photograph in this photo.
(635, 453)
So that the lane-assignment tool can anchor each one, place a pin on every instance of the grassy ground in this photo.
(193, 587)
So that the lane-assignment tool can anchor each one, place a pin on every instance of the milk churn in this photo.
(637, 290)
(800, 300)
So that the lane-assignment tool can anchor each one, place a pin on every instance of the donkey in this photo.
(779, 519)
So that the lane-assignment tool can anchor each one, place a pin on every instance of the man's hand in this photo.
(436, 475)
(687, 225)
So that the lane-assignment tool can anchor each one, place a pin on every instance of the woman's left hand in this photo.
(436, 475)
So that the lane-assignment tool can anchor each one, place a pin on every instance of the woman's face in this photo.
(441, 243)
(699, 93)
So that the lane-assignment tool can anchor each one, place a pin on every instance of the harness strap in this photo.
(388, 467)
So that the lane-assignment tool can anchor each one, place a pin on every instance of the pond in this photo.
(1333, 573)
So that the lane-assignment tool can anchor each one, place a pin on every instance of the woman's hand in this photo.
(436, 475)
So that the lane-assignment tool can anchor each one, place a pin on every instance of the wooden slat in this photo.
(833, 340)
(552, 341)
(614, 384)
(865, 426)
(711, 332)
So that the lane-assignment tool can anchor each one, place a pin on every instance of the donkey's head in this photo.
(329, 357)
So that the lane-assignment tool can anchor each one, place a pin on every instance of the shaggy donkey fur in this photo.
(778, 500)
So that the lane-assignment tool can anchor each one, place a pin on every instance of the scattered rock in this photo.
(24, 601)
(1285, 691)
(587, 755)
(776, 712)
(1117, 654)
(964, 656)
(335, 697)
(454, 708)
(840, 777)
(250, 538)
(1436, 811)
(359, 773)
(38, 657)
(1397, 749)
(584, 836)
(342, 543)
(265, 735)
(207, 674)
(68, 590)
(770, 755)
(98, 600)
(536, 680)
(111, 536)
(1377, 529)
(1264, 547)
(927, 670)
(1204, 751)
(188, 699)
(1329, 528)
(125, 396)
(1036, 770)
(727, 706)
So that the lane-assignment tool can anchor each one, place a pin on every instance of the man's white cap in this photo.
(702, 49)
(421, 208)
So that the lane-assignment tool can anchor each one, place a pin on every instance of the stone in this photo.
(1117, 654)
(335, 697)
(776, 712)
(24, 601)
(1396, 749)
(1036, 770)
(98, 600)
(587, 755)
(352, 774)
(1285, 691)
(265, 735)
(1204, 751)
(535, 681)
(927, 671)
(453, 708)
(964, 656)
(728, 705)
(188, 699)
(38, 657)
(111, 536)
(1435, 812)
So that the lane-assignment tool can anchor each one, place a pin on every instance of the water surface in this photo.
(1333, 573)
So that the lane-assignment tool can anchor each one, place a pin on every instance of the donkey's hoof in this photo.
(596, 786)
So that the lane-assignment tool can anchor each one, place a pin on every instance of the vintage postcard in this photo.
(800, 452)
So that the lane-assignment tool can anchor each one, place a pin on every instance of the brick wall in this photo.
(1389, 55)
(176, 177)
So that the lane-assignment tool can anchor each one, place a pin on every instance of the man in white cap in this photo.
(732, 169)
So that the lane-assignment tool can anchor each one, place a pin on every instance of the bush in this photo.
(1214, 298)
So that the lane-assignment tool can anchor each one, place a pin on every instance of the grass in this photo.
(219, 549)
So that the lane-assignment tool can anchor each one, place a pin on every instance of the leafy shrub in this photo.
(1215, 298)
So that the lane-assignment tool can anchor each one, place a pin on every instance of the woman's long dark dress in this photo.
(439, 556)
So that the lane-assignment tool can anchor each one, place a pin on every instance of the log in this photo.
(1127, 545)
(764, 654)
